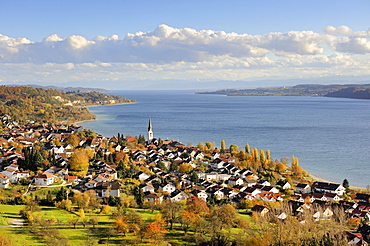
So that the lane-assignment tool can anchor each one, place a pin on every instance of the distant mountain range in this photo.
(64, 89)
(346, 91)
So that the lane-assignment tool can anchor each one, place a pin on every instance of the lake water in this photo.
(330, 136)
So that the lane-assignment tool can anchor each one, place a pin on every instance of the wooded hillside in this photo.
(27, 103)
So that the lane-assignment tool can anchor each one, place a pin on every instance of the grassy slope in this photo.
(81, 235)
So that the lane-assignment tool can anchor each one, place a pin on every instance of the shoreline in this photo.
(319, 179)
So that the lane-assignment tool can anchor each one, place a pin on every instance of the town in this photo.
(158, 174)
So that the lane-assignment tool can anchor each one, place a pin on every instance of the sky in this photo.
(118, 44)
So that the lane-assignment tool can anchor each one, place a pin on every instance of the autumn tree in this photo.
(255, 154)
(185, 168)
(171, 211)
(234, 149)
(201, 146)
(221, 219)
(79, 162)
(155, 231)
(82, 200)
(247, 148)
(223, 146)
(210, 146)
(73, 140)
(121, 226)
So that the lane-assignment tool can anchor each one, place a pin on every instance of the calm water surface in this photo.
(330, 136)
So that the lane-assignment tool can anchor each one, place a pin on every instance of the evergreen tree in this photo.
(62, 194)
(345, 184)
(194, 177)
(162, 166)
(139, 196)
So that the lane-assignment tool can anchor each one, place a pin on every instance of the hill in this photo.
(24, 104)
(298, 90)
(351, 92)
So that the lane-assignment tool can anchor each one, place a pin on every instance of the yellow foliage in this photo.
(79, 161)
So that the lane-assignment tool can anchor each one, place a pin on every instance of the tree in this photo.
(194, 178)
(268, 155)
(262, 156)
(255, 154)
(185, 168)
(223, 146)
(155, 230)
(247, 148)
(73, 140)
(139, 196)
(162, 166)
(209, 146)
(171, 212)
(346, 184)
(234, 149)
(121, 226)
(82, 200)
(79, 162)
(201, 146)
(62, 194)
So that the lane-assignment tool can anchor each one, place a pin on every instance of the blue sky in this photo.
(155, 44)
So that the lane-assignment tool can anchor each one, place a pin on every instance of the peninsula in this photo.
(346, 91)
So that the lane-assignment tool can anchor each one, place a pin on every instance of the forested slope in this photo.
(27, 103)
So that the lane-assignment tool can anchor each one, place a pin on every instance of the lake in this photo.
(330, 136)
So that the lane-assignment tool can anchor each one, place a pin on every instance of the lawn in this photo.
(86, 235)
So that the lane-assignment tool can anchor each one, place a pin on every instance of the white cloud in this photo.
(341, 30)
(172, 53)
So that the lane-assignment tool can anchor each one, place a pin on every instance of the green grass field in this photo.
(83, 235)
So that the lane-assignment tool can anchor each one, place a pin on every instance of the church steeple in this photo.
(150, 131)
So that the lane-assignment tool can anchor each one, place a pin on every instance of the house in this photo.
(233, 180)
(303, 188)
(22, 175)
(71, 179)
(147, 188)
(355, 238)
(362, 197)
(91, 184)
(44, 179)
(200, 194)
(4, 181)
(269, 189)
(270, 196)
(141, 176)
(178, 195)
(260, 209)
(106, 189)
(332, 197)
(284, 184)
(329, 188)
(168, 187)
(153, 197)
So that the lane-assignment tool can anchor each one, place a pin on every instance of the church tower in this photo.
(150, 131)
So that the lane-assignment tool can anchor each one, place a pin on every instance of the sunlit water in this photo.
(330, 136)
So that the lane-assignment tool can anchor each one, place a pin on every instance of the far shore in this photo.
(317, 178)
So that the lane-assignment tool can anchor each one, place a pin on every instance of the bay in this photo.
(330, 136)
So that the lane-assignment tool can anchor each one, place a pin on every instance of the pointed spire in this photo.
(150, 131)
(150, 127)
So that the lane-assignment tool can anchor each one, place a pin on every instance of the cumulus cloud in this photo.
(163, 45)
(341, 30)
(173, 53)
